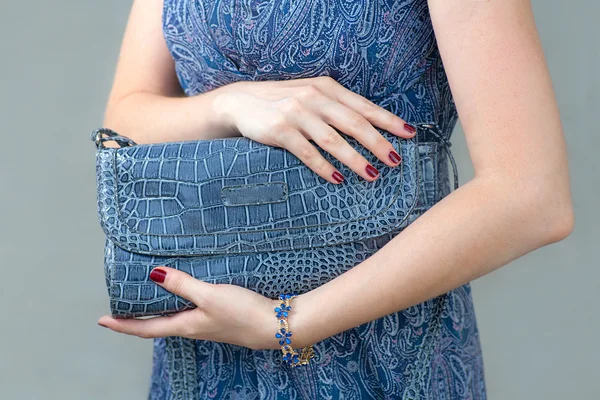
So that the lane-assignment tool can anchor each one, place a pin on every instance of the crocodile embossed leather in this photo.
(236, 211)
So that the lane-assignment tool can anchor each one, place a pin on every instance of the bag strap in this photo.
(446, 144)
(98, 138)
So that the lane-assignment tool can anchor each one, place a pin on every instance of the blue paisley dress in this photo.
(385, 50)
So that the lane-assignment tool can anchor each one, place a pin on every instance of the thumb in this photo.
(180, 283)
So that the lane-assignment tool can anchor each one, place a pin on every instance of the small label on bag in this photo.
(256, 193)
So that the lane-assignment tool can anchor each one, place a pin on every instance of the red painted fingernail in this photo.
(338, 177)
(158, 275)
(409, 128)
(371, 171)
(395, 157)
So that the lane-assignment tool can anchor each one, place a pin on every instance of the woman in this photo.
(282, 73)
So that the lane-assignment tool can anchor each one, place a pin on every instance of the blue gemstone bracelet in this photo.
(290, 356)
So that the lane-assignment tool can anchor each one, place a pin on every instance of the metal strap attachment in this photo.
(434, 129)
(98, 138)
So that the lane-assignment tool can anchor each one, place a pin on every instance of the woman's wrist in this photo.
(223, 108)
(298, 321)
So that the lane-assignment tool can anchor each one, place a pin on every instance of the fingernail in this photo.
(409, 128)
(158, 275)
(371, 171)
(104, 326)
(395, 157)
(338, 177)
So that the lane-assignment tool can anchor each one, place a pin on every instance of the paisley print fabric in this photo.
(386, 51)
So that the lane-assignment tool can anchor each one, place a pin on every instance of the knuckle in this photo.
(308, 153)
(332, 139)
(278, 122)
(371, 109)
(290, 105)
(177, 286)
(325, 80)
(278, 132)
(309, 92)
(368, 104)
(356, 119)
(321, 165)
(281, 136)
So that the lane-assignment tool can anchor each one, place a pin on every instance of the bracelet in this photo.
(290, 356)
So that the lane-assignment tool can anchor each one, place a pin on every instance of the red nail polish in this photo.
(338, 177)
(409, 128)
(394, 157)
(371, 171)
(158, 275)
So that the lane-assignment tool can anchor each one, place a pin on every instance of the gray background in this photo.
(538, 317)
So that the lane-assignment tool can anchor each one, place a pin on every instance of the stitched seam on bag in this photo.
(227, 202)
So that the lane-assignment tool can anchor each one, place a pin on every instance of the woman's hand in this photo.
(287, 113)
(224, 313)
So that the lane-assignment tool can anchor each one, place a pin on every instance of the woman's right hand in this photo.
(287, 113)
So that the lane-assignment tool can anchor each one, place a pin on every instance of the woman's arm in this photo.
(518, 201)
(146, 102)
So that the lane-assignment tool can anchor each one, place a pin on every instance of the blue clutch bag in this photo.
(236, 211)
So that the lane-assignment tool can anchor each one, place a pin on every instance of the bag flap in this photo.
(236, 195)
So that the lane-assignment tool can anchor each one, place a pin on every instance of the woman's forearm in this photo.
(479, 227)
(154, 118)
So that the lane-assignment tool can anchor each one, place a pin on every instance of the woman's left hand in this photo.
(224, 313)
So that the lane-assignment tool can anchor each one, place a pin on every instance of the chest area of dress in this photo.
(278, 38)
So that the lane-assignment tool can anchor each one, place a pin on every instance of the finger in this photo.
(335, 144)
(351, 123)
(375, 114)
(181, 284)
(177, 325)
(293, 141)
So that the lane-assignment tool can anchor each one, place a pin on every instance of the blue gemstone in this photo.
(278, 335)
(282, 330)
(285, 313)
(281, 342)
(288, 341)
(289, 334)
